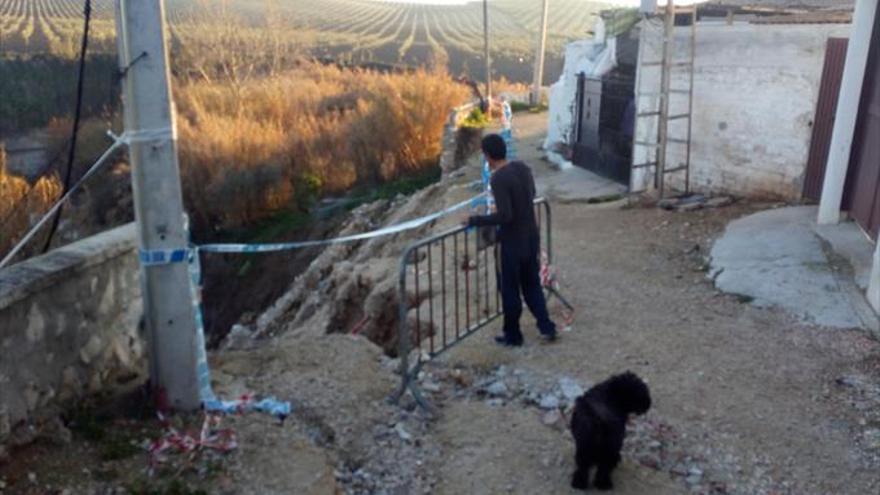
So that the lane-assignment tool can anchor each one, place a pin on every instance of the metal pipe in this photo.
(467, 284)
(418, 303)
(455, 269)
(430, 302)
(443, 285)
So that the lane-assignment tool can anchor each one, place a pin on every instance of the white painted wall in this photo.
(755, 92)
(593, 57)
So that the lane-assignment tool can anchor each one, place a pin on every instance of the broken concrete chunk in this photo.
(550, 418)
(719, 202)
(402, 433)
(496, 402)
(549, 401)
(571, 390)
(497, 389)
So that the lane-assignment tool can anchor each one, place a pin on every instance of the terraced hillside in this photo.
(351, 30)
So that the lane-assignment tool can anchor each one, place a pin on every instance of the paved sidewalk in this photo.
(777, 258)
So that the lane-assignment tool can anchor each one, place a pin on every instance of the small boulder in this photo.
(497, 389)
(571, 390)
(549, 401)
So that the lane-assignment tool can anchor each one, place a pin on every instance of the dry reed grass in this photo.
(22, 203)
(249, 150)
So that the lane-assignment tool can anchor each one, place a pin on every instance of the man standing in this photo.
(514, 191)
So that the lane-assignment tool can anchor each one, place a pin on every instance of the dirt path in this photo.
(750, 401)
(750, 395)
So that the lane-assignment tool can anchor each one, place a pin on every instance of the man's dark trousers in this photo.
(520, 270)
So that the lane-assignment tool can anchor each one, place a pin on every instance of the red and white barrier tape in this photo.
(173, 441)
(549, 281)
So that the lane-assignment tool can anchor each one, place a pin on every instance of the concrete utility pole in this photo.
(486, 53)
(158, 201)
(539, 57)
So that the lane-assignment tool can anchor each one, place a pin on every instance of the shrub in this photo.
(476, 119)
(249, 150)
(22, 203)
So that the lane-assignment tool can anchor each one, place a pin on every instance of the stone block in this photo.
(71, 318)
(36, 325)
(91, 350)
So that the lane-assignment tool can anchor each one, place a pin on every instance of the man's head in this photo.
(495, 150)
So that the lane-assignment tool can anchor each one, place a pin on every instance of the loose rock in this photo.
(402, 433)
(571, 390)
(549, 402)
(498, 389)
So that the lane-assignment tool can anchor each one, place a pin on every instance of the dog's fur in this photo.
(598, 424)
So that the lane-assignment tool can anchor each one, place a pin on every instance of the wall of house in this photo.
(69, 328)
(755, 92)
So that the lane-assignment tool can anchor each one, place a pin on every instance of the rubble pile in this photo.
(694, 202)
(350, 288)
(864, 398)
(650, 441)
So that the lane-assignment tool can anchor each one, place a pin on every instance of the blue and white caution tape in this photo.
(154, 257)
(487, 201)
(285, 246)
(210, 402)
(507, 129)
(269, 405)
(507, 135)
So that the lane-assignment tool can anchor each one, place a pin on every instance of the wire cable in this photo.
(74, 134)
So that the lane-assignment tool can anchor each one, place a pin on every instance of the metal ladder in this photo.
(667, 63)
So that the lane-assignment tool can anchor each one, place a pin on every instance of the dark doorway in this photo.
(823, 123)
(588, 105)
(604, 116)
(863, 179)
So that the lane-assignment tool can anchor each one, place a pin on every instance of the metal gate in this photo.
(863, 181)
(823, 123)
(448, 290)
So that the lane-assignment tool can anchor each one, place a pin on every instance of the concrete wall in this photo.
(69, 327)
(755, 93)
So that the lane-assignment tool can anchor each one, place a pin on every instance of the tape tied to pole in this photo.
(190, 255)
(147, 135)
(157, 257)
(125, 139)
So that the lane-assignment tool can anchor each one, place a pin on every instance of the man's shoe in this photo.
(548, 338)
(503, 340)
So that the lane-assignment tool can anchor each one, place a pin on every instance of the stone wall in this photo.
(755, 93)
(69, 328)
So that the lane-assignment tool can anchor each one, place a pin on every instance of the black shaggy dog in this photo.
(599, 423)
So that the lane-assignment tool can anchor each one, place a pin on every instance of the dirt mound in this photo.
(343, 436)
(352, 288)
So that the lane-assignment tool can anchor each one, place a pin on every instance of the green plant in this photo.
(518, 107)
(476, 119)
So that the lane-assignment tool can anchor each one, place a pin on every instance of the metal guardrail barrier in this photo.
(454, 275)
